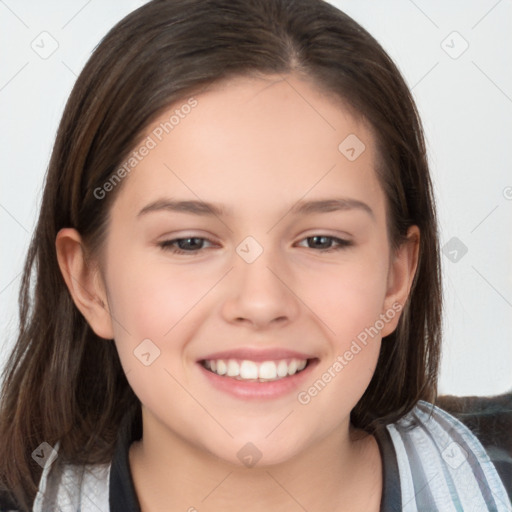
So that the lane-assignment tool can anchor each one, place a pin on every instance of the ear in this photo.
(84, 282)
(401, 274)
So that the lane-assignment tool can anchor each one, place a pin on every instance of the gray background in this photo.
(465, 99)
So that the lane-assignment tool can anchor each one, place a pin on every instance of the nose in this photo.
(260, 294)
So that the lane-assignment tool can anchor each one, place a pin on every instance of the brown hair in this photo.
(62, 381)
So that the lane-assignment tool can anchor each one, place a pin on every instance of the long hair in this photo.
(64, 383)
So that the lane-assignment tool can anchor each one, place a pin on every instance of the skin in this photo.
(256, 146)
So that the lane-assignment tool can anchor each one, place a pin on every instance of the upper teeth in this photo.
(250, 370)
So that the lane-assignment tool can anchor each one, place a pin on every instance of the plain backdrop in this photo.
(456, 58)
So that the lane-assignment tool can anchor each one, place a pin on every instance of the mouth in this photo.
(250, 374)
(253, 371)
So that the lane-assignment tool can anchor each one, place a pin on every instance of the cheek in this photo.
(155, 303)
(350, 360)
(348, 297)
(149, 300)
(349, 301)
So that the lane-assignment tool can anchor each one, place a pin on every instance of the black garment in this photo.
(122, 495)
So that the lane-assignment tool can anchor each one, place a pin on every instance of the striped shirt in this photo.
(431, 462)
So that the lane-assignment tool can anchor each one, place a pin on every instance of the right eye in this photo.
(188, 245)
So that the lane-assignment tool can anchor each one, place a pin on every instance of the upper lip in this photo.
(251, 354)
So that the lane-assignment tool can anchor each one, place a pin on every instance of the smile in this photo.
(257, 373)
(252, 371)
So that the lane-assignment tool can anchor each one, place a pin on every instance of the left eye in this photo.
(324, 240)
(193, 245)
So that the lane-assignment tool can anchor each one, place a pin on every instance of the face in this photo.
(257, 318)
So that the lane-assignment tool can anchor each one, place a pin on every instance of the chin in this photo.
(257, 452)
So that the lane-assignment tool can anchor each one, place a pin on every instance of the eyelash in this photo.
(167, 245)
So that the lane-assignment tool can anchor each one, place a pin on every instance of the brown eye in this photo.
(189, 245)
(324, 243)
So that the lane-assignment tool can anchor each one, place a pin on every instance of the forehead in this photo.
(257, 140)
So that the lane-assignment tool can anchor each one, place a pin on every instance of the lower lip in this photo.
(262, 390)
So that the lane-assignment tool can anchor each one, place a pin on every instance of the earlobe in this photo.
(401, 276)
(84, 282)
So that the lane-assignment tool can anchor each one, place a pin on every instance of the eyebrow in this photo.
(302, 207)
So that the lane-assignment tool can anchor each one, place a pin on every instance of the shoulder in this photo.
(490, 420)
(439, 458)
(69, 487)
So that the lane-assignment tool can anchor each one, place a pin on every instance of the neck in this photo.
(171, 474)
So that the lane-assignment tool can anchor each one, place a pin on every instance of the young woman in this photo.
(237, 301)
